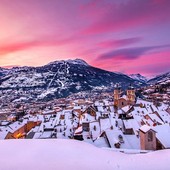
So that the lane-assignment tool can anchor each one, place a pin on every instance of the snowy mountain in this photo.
(52, 154)
(162, 78)
(60, 79)
(3, 71)
(138, 77)
(76, 61)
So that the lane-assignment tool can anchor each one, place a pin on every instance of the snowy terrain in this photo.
(162, 78)
(76, 61)
(58, 79)
(70, 154)
(138, 77)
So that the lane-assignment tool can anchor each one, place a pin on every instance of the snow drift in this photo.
(60, 154)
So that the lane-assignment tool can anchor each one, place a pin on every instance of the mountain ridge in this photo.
(60, 79)
(139, 77)
(160, 78)
(135, 76)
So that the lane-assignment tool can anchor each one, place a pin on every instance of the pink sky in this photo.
(130, 36)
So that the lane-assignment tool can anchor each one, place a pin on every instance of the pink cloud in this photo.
(36, 32)
(150, 64)
(147, 64)
(119, 42)
(130, 53)
(26, 45)
(130, 14)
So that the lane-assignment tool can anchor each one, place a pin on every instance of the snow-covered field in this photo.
(53, 154)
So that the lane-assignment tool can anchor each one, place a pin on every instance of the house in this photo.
(91, 110)
(77, 109)
(147, 138)
(19, 129)
(130, 126)
(155, 138)
(125, 112)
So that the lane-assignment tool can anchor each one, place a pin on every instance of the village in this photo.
(121, 122)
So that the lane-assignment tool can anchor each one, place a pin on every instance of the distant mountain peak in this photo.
(78, 61)
(138, 77)
(70, 61)
(160, 78)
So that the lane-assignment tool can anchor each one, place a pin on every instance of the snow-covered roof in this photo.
(77, 107)
(78, 130)
(48, 112)
(100, 108)
(3, 134)
(95, 129)
(101, 142)
(131, 124)
(126, 108)
(163, 133)
(45, 134)
(15, 126)
(145, 128)
(113, 137)
(154, 117)
(105, 124)
(87, 118)
(124, 97)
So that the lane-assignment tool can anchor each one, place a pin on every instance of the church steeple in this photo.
(131, 97)
(117, 94)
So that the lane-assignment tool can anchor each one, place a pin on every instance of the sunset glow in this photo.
(129, 36)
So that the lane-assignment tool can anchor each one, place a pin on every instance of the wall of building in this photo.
(9, 136)
(145, 143)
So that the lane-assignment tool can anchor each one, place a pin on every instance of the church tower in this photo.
(131, 97)
(117, 95)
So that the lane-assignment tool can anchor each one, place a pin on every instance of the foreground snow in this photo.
(70, 154)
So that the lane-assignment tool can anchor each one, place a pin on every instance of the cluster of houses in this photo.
(127, 123)
(158, 93)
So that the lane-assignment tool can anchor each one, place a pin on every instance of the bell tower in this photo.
(131, 97)
(117, 95)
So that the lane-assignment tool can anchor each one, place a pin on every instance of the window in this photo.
(150, 136)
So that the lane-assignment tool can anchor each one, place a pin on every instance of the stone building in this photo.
(128, 99)
(131, 97)
(147, 138)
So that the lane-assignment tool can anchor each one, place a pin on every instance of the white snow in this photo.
(52, 154)
(76, 61)
(138, 77)
(145, 128)
(163, 133)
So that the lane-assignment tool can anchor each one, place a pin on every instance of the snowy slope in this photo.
(60, 79)
(76, 61)
(70, 154)
(138, 77)
(160, 78)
